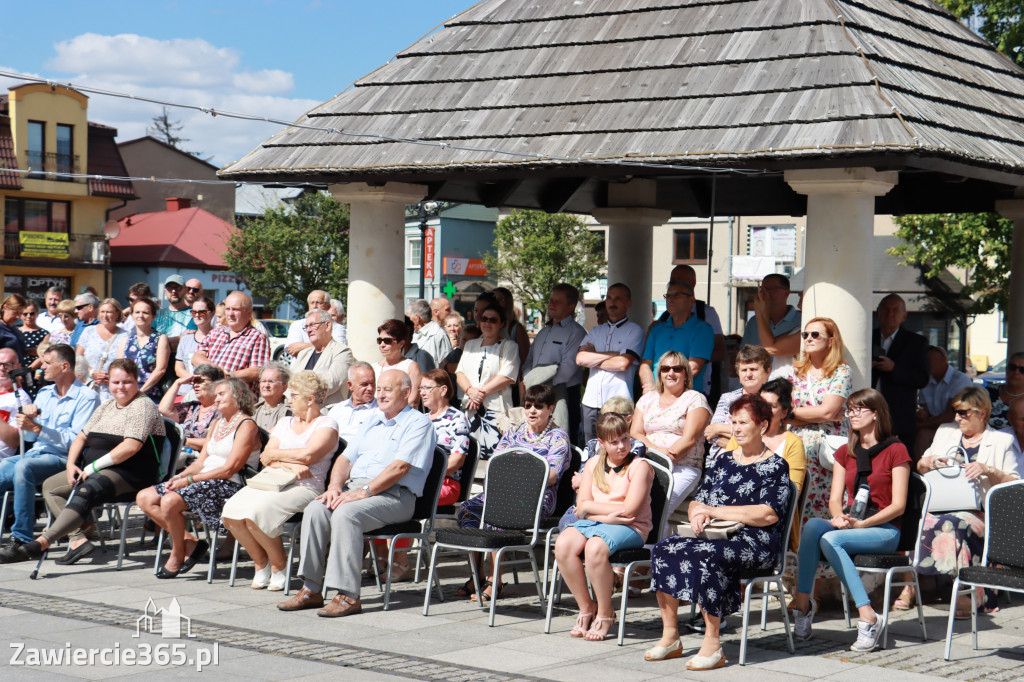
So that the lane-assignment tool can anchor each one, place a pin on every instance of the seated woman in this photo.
(614, 510)
(302, 444)
(272, 407)
(540, 435)
(195, 417)
(956, 539)
(206, 484)
(671, 420)
(749, 485)
(876, 457)
(116, 454)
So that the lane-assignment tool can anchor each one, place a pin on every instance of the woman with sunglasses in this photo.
(195, 416)
(33, 335)
(955, 540)
(821, 383)
(147, 347)
(671, 420)
(10, 336)
(485, 374)
(99, 344)
(391, 336)
(66, 315)
(188, 343)
(1002, 395)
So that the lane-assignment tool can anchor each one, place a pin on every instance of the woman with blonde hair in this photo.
(821, 383)
(99, 345)
(66, 313)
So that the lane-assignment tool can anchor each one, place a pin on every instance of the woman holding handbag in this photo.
(956, 539)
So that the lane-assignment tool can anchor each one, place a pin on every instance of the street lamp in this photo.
(425, 211)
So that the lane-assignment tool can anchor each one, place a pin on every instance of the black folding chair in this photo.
(513, 496)
(1004, 549)
(466, 475)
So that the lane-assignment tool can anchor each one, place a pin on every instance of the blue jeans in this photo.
(22, 473)
(819, 535)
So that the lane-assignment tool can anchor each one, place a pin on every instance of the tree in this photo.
(977, 242)
(999, 21)
(535, 250)
(293, 250)
(166, 130)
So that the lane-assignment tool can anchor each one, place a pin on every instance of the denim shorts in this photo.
(617, 537)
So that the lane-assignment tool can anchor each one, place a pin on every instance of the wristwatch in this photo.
(368, 491)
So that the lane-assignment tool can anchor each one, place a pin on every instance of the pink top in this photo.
(664, 425)
(618, 488)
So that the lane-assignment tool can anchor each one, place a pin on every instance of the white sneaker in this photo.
(262, 578)
(802, 621)
(867, 634)
(277, 581)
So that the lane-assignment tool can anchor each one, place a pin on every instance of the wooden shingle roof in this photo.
(752, 84)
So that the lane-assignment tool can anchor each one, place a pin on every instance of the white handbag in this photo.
(951, 489)
(827, 450)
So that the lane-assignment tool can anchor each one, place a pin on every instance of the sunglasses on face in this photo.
(678, 369)
(490, 320)
(79, 307)
(813, 335)
(32, 313)
(386, 340)
(200, 313)
(529, 405)
(1010, 367)
(194, 289)
(963, 414)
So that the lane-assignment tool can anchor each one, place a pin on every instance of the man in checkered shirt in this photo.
(236, 346)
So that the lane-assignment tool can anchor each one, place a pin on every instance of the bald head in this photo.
(892, 312)
(393, 388)
(440, 308)
(237, 310)
(318, 299)
(684, 273)
(8, 361)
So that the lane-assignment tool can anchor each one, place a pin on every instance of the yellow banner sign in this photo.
(43, 244)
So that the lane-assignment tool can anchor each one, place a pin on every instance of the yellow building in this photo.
(53, 222)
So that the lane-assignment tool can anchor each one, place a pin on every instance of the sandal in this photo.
(905, 601)
(486, 596)
(466, 590)
(582, 624)
(598, 631)
(962, 612)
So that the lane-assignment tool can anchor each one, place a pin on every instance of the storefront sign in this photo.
(473, 267)
(428, 254)
(43, 244)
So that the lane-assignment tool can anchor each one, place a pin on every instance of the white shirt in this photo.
(557, 344)
(937, 394)
(50, 324)
(617, 337)
(350, 418)
(297, 333)
(434, 340)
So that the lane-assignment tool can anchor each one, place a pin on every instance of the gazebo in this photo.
(637, 110)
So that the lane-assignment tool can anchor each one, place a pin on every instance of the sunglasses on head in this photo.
(665, 369)
(814, 335)
(1010, 367)
(385, 340)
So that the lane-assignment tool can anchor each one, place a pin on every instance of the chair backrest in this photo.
(468, 471)
(919, 494)
(170, 449)
(1004, 525)
(566, 496)
(796, 504)
(342, 444)
(514, 489)
(661, 491)
(426, 504)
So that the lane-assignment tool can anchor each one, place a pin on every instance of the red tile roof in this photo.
(105, 159)
(7, 158)
(189, 237)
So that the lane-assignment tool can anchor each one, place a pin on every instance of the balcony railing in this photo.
(43, 164)
(82, 248)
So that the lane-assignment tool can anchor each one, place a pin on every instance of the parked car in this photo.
(277, 331)
(996, 374)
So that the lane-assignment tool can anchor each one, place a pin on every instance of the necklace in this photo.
(756, 459)
(1012, 395)
(533, 438)
(972, 441)
(225, 427)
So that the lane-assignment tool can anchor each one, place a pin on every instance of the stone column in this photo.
(376, 259)
(838, 267)
(1013, 209)
(630, 239)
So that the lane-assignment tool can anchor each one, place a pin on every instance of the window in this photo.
(691, 246)
(599, 245)
(65, 146)
(36, 215)
(774, 241)
(415, 254)
(1004, 326)
(36, 145)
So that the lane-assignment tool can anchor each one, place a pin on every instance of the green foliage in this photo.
(999, 21)
(535, 250)
(291, 251)
(977, 242)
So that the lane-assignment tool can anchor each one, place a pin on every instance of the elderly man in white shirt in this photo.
(428, 335)
(944, 382)
(298, 339)
(351, 413)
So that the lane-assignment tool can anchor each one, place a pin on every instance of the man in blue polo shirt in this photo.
(681, 332)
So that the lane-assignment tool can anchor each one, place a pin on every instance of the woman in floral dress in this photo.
(821, 383)
(148, 348)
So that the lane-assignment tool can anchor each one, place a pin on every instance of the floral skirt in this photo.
(206, 499)
(483, 425)
(951, 541)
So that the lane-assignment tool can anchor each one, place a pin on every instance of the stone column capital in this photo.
(402, 193)
(854, 180)
(1012, 209)
(631, 217)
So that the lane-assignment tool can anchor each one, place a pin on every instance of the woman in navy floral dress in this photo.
(148, 348)
(749, 484)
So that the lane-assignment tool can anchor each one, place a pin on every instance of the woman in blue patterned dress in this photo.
(148, 348)
(750, 485)
(540, 435)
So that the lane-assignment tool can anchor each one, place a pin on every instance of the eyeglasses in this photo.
(33, 313)
(814, 335)
(676, 294)
(427, 388)
(311, 327)
(665, 369)
(491, 320)
(963, 414)
(8, 365)
(195, 289)
(1010, 367)
(385, 340)
(270, 381)
(857, 411)
(200, 313)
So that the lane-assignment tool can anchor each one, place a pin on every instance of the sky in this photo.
(275, 58)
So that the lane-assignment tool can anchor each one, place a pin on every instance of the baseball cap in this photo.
(174, 279)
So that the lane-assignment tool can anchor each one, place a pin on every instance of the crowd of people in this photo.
(349, 443)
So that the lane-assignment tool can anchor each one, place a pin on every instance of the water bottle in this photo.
(860, 503)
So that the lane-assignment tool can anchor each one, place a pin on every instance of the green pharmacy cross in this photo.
(449, 289)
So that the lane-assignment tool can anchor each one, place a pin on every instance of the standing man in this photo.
(337, 311)
(682, 331)
(326, 357)
(298, 339)
(899, 366)
(440, 308)
(174, 320)
(352, 413)
(49, 319)
(944, 382)
(427, 334)
(87, 309)
(706, 313)
(193, 292)
(612, 352)
(374, 482)
(552, 358)
(775, 325)
(237, 347)
(52, 422)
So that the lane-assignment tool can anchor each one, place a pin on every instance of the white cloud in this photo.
(186, 71)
